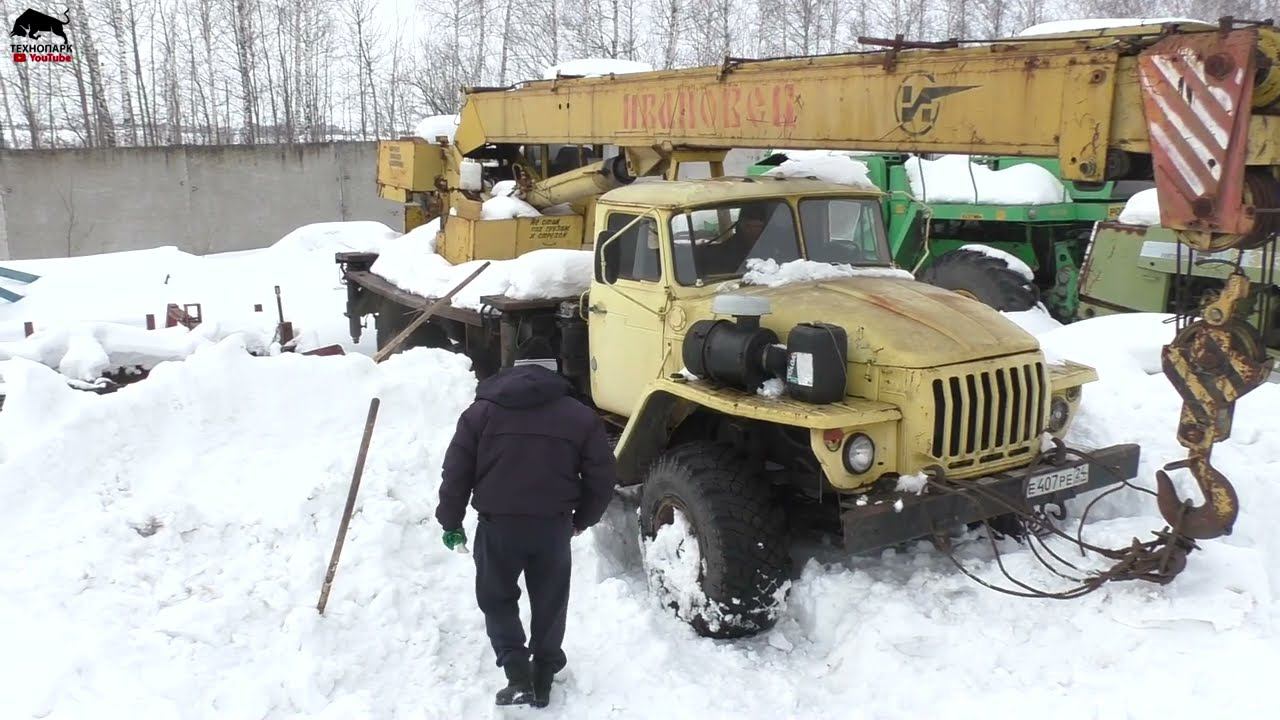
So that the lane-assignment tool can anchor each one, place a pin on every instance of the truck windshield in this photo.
(715, 243)
(843, 230)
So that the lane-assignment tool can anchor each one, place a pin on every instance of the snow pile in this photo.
(429, 128)
(955, 179)
(505, 208)
(423, 237)
(175, 543)
(1126, 344)
(770, 273)
(1013, 262)
(545, 273)
(123, 288)
(503, 188)
(1141, 209)
(914, 483)
(84, 351)
(1057, 27)
(772, 388)
(674, 562)
(595, 67)
(827, 165)
(1035, 321)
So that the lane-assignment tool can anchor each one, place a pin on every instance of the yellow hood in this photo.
(895, 322)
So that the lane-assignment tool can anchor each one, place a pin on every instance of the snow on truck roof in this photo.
(683, 193)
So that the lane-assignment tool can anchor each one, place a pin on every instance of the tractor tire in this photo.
(392, 319)
(741, 539)
(984, 278)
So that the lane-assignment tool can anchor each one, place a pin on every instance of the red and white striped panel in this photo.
(1197, 92)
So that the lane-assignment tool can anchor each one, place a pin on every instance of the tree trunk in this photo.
(244, 56)
(137, 73)
(87, 137)
(286, 80)
(122, 60)
(271, 84)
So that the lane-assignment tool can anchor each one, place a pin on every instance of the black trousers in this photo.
(538, 546)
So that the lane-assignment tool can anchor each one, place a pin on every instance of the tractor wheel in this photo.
(393, 318)
(714, 542)
(984, 278)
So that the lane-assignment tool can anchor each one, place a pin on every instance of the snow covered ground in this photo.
(166, 544)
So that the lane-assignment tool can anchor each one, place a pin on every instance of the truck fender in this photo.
(666, 403)
(647, 432)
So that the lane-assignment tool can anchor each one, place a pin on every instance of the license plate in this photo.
(1056, 480)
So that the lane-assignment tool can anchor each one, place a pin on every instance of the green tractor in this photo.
(1073, 256)
(936, 241)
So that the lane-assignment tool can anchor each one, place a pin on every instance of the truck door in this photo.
(624, 318)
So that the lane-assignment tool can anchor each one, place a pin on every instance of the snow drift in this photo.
(595, 67)
(434, 126)
(546, 273)
(115, 291)
(827, 165)
(956, 179)
(166, 545)
(1141, 209)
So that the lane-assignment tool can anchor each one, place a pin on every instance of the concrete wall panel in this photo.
(203, 199)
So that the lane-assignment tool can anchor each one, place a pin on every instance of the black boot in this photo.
(519, 689)
(543, 676)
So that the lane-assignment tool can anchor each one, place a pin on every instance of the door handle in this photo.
(597, 310)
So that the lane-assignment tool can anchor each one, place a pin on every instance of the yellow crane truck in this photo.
(757, 410)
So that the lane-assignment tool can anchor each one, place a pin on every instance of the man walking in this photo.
(538, 469)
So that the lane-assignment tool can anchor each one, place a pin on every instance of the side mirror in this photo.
(608, 257)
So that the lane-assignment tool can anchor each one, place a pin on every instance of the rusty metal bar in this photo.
(351, 503)
(425, 315)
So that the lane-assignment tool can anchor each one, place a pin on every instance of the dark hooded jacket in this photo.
(526, 447)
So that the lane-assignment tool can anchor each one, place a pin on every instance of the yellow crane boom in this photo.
(1194, 98)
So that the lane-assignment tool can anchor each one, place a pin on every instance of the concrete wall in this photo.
(203, 199)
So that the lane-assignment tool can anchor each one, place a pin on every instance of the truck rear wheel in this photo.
(984, 278)
(393, 318)
(714, 542)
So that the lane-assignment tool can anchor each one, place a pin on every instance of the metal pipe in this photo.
(351, 504)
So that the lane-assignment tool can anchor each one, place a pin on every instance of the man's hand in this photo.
(454, 538)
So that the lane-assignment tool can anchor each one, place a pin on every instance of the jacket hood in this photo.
(522, 386)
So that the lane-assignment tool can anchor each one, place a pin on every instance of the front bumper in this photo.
(890, 517)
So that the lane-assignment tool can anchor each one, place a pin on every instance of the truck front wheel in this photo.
(984, 278)
(714, 542)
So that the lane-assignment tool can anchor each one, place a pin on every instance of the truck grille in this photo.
(988, 412)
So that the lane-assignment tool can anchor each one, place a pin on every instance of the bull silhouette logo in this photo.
(31, 23)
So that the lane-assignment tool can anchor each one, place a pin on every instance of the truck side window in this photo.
(638, 247)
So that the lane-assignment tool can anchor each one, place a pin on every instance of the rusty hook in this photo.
(1210, 520)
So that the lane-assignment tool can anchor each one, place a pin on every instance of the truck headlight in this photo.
(1059, 411)
(859, 453)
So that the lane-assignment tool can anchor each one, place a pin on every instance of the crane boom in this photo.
(1194, 98)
